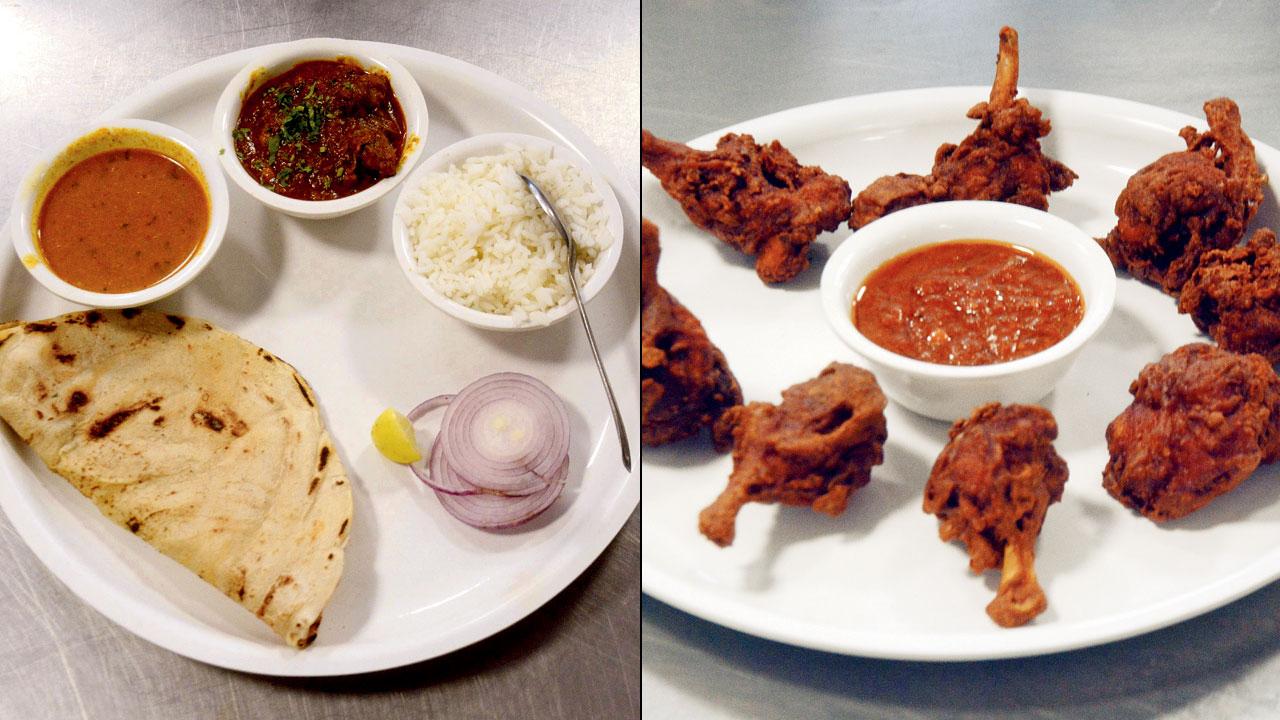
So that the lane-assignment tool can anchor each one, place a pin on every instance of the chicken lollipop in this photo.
(685, 381)
(1202, 420)
(1001, 159)
(1187, 203)
(814, 449)
(990, 488)
(757, 198)
(1234, 296)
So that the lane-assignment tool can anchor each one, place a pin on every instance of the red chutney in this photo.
(968, 302)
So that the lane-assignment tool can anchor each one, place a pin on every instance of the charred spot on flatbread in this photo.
(106, 425)
(302, 388)
(134, 524)
(65, 358)
(77, 400)
(324, 457)
(207, 419)
(130, 313)
(40, 327)
(311, 634)
(177, 322)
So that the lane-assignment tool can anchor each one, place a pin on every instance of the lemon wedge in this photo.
(392, 434)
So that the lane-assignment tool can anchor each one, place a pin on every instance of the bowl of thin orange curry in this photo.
(957, 303)
(122, 214)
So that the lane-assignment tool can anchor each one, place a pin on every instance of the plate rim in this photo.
(1020, 642)
(564, 567)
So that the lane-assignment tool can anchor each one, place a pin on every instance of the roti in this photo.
(202, 444)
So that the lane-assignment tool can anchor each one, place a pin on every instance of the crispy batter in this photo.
(1202, 420)
(1234, 296)
(1001, 159)
(814, 449)
(1187, 203)
(990, 488)
(685, 382)
(757, 198)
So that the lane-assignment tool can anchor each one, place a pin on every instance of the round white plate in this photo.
(328, 297)
(877, 581)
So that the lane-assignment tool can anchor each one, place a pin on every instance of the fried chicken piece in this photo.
(1202, 420)
(685, 382)
(814, 449)
(990, 488)
(757, 198)
(1187, 203)
(1234, 296)
(1001, 160)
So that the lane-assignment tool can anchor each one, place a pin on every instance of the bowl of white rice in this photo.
(471, 238)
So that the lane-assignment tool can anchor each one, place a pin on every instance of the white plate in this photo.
(329, 297)
(876, 581)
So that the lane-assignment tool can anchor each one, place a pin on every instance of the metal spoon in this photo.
(550, 210)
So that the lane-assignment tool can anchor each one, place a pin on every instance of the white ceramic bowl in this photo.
(276, 59)
(949, 392)
(23, 225)
(492, 144)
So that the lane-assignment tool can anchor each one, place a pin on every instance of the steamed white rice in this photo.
(481, 240)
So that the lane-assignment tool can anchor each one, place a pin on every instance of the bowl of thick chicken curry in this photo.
(320, 128)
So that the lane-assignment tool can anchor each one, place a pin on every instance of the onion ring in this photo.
(502, 454)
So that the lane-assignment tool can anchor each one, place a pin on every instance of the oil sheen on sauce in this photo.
(122, 220)
(968, 302)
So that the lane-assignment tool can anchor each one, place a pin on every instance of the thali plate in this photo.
(329, 297)
(876, 581)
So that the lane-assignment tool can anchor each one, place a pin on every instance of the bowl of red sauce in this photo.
(956, 304)
(121, 214)
(320, 128)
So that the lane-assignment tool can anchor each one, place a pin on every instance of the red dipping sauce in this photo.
(968, 302)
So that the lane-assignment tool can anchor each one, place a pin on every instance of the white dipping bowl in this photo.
(202, 165)
(494, 144)
(276, 59)
(949, 392)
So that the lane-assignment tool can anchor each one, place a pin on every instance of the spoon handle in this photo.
(604, 377)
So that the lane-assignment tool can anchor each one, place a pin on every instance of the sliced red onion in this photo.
(502, 453)
(484, 510)
(507, 433)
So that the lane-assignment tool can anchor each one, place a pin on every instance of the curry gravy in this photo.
(122, 220)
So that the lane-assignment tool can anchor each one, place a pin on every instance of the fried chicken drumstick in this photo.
(1234, 296)
(990, 488)
(1202, 420)
(757, 198)
(1001, 159)
(685, 383)
(815, 449)
(1186, 203)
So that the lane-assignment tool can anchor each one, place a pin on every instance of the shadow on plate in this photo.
(867, 507)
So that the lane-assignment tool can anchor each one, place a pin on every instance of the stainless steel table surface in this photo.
(576, 657)
(707, 65)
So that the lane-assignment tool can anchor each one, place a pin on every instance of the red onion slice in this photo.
(483, 510)
(491, 445)
(502, 454)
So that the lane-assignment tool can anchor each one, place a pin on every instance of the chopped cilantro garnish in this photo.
(273, 146)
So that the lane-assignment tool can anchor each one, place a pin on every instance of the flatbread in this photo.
(204, 445)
